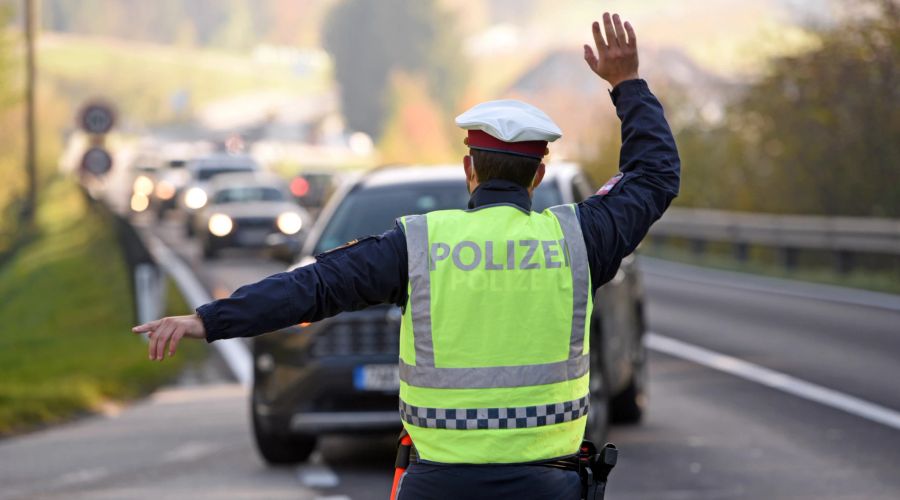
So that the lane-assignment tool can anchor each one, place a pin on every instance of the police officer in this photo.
(496, 298)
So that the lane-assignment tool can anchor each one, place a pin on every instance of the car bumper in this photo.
(329, 422)
(311, 383)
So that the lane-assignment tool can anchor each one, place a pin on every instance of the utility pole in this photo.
(30, 125)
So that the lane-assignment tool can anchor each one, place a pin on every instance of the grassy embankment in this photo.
(65, 316)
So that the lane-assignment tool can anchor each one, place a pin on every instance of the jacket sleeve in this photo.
(372, 270)
(618, 216)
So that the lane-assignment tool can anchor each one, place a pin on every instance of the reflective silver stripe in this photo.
(420, 284)
(494, 376)
(578, 260)
(494, 418)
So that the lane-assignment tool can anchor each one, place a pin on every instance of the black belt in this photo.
(593, 467)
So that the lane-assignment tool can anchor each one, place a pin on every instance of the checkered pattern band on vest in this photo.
(494, 418)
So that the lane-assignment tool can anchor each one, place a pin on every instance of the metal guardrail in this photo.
(845, 236)
(840, 234)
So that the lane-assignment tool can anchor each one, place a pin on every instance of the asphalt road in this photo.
(707, 435)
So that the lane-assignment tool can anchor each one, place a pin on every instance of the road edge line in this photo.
(774, 379)
(235, 353)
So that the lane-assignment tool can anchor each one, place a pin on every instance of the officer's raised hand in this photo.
(170, 330)
(617, 59)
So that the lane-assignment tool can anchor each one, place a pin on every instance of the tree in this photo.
(370, 39)
(818, 134)
(7, 95)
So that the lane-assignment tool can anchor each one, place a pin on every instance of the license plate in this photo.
(376, 378)
(252, 236)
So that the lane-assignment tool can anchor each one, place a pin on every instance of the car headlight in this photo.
(165, 190)
(195, 198)
(289, 222)
(220, 225)
(143, 185)
(139, 202)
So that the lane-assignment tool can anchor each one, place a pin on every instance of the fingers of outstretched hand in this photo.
(620, 31)
(173, 343)
(598, 38)
(146, 327)
(165, 334)
(632, 38)
(590, 58)
(609, 30)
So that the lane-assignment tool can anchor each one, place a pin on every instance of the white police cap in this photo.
(510, 120)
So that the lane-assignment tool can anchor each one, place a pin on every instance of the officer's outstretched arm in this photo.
(369, 271)
(618, 216)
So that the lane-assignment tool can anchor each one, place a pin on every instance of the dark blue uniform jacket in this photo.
(374, 270)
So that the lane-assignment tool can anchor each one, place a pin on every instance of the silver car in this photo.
(250, 210)
(201, 171)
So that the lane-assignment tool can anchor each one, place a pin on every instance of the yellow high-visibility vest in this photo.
(494, 342)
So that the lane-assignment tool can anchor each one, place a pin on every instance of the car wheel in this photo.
(281, 449)
(597, 427)
(628, 406)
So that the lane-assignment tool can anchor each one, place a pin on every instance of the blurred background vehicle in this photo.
(250, 210)
(312, 188)
(143, 172)
(340, 374)
(194, 195)
(171, 174)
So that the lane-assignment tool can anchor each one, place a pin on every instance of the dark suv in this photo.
(339, 375)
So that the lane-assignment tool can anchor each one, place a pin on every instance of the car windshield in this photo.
(245, 194)
(207, 173)
(373, 211)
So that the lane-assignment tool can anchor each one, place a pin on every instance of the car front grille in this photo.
(358, 337)
(255, 223)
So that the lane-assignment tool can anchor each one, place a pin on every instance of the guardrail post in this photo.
(741, 252)
(698, 247)
(148, 292)
(789, 258)
(844, 260)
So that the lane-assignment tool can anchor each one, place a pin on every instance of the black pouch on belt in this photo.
(594, 468)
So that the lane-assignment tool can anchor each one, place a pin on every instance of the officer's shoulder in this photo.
(345, 246)
(395, 236)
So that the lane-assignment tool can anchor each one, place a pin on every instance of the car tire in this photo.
(597, 428)
(281, 449)
(628, 406)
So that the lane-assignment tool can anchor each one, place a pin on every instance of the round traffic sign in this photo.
(97, 118)
(96, 161)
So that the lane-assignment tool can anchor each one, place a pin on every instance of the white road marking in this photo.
(83, 476)
(190, 452)
(316, 473)
(775, 380)
(234, 351)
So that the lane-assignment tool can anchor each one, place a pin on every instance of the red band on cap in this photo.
(482, 140)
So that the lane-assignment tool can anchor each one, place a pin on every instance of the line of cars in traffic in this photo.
(340, 375)
(225, 201)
